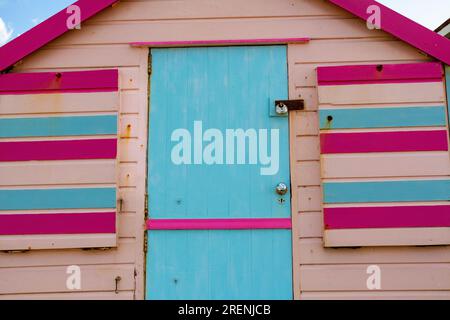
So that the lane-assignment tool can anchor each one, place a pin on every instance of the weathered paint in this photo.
(227, 88)
(383, 73)
(50, 82)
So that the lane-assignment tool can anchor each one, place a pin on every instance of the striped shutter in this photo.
(58, 160)
(384, 155)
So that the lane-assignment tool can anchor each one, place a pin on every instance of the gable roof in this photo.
(47, 31)
(391, 22)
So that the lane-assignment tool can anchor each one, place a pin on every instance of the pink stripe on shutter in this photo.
(51, 82)
(384, 141)
(388, 73)
(58, 150)
(58, 223)
(387, 217)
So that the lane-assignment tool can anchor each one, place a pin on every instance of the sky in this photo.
(18, 16)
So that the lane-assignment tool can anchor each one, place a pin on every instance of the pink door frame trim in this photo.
(229, 42)
(219, 224)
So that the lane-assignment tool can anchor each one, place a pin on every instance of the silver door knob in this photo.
(281, 189)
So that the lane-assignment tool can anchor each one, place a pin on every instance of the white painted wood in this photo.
(387, 237)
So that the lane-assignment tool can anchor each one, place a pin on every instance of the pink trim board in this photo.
(387, 217)
(47, 31)
(388, 73)
(229, 42)
(219, 224)
(58, 150)
(395, 141)
(51, 82)
(58, 223)
(401, 27)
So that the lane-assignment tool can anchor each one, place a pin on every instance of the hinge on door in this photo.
(146, 205)
(149, 69)
(145, 242)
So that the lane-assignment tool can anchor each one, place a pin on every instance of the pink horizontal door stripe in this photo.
(387, 217)
(397, 141)
(47, 31)
(50, 82)
(58, 150)
(218, 224)
(388, 73)
(58, 223)
(156, 44)
(401, 27)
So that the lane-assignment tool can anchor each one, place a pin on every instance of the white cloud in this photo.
(5, 32)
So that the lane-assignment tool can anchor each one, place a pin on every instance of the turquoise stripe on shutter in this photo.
(36, 199)
(382, 117)
(386, 191)
(58, 126)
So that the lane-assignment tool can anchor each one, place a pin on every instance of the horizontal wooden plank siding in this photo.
(428, 92)
(25, 173)
(392, 164)
(59, 103)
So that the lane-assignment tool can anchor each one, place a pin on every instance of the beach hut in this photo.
(194, 149)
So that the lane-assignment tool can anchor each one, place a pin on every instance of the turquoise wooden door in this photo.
(217, 151)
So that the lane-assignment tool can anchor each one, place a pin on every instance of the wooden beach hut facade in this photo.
(117, 153)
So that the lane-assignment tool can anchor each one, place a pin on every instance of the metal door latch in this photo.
(283, 106)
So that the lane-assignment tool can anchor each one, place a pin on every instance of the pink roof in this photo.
(392, 22)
